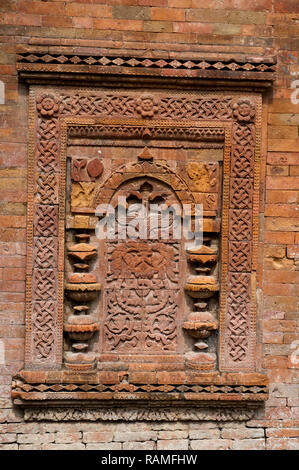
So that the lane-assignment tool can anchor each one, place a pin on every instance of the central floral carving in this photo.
(47, 105)
(143, 260)
(141, 296)
(147, 106)
(244, 110)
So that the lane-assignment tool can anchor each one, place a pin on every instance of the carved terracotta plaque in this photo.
(146, 313)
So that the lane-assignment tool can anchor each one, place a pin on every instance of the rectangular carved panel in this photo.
(103, 305)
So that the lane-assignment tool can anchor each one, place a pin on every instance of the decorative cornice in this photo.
(41, 67)
(28, 388)
(149, 131)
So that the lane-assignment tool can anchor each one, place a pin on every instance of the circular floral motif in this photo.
(47, 105)
(147, 106)
(244, 110)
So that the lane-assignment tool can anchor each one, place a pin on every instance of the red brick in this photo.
(290, 224)
(168, 14)
(7, 438)
(41, 8)
(293, 251)
(280, 145)
(131, 12)
(12, 261)
(278, 196)
(272, 338)
(67, 437)
(190, 27)
(143, 377)
(178, 434)
(283, 158)
(276, 170)
(12, 286)
(137, 436)
(256, 5)
(278, 413)
(279, 237)
(277, 289)
(57, 21)
(279, 325)
(294, 170)
(286, 376)
(96, 11)
(248, 444)
(169, 377)
(12, 154)
(175, 444)
(148, 445)
(212, 4)
(13, 274)
(120, 25)
(286, 6)
(282, 432)
(106, 436)
(186, 29)
(152, 3)
(210, 444)
(82, 22)
(180, 3)
(282, 182)
(21, 19)
(288, 277)
(271, 362)
(282, 444)
(7, 70)
(12, 221)
(7, 234)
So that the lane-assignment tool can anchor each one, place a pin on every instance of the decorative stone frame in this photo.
(55, 113)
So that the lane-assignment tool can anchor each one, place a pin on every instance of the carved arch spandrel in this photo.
(138, 169)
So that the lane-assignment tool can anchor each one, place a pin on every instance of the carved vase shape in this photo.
(200, 324)
(201, 287)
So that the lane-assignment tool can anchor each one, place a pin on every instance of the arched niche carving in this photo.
(142, 285)
(157, 170)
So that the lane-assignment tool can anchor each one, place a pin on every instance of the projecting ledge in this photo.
(96, 390)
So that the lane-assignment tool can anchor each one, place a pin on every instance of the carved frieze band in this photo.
(239, 334)
(248, 64)
(240, 67)
(44, 167)
(139, 414)
(44, 328)
(147, 106)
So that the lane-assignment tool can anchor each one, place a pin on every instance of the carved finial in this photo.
(145, 155)
(146, 134)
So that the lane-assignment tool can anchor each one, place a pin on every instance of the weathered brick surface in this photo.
(162, 28)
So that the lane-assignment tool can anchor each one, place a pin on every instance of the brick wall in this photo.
(186, 28)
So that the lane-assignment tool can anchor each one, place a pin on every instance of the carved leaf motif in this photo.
(141, 309)
(78, 166)
(82, 194)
